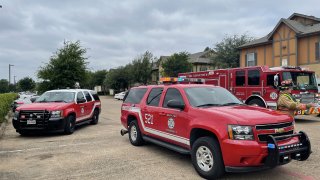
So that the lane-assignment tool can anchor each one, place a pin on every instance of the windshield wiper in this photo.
(231, 103)
(204, 105)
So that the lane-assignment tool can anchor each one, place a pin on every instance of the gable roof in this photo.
(299, 28)
(303, 16)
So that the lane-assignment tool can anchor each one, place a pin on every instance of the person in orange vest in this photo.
(286, 102)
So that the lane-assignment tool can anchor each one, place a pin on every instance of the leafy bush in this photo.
(5, 102)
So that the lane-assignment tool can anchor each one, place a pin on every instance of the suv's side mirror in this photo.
(175, 104)
(81, 101)
(33, 99)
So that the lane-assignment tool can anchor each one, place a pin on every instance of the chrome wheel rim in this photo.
(204, 158)
(133, 133)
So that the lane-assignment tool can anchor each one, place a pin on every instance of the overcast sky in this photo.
(116, 31)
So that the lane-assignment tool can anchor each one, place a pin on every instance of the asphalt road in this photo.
(100, 152)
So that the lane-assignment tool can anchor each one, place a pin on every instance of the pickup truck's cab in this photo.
(218, 130)
(58, 110)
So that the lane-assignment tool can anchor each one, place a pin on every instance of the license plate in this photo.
(31, 121)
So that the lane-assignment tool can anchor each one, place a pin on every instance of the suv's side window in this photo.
(88, 96)
(80, 97)
(135, 95)
(154, 97)
(172, 94)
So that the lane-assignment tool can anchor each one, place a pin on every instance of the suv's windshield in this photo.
(210, 96)
(301, 80)
(58, 96)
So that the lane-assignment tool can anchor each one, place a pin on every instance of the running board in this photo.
(166, 145)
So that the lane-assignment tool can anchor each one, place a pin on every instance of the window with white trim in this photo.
(251, 59)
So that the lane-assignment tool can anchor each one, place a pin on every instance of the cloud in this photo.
(115, 32)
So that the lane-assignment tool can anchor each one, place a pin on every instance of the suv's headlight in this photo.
(237, 132)
(16, 115)
(56, 114)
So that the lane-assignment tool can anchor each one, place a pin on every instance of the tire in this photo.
(23, 133)
(70, 124)
(135, 136)
(207, 158)
(257, 102)
(95, 117)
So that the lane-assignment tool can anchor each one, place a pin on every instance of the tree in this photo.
(118, 79)
(66, 67)
(4, 86)
(142, 67)
(227, 54)
(26, 84)
(175, 64)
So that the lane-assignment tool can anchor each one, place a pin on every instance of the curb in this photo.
(3, 126)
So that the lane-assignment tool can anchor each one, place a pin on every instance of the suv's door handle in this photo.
(162, 114)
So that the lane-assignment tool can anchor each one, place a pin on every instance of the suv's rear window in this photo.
(135, 95)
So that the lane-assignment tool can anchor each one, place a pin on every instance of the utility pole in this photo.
(14, 80)
(10, 73)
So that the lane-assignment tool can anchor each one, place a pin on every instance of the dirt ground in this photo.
(100, 152)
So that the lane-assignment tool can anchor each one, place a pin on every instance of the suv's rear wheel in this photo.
(95, 117)
(135, 136)
(206, 158)
(70, 124)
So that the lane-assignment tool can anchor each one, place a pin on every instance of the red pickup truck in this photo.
(220, 132)
(58, 110)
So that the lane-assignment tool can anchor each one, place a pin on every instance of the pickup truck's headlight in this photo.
(56, 114)
(237, 132)
(16, 115)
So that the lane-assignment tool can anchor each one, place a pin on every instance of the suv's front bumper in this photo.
(253, 157)
(56, 124)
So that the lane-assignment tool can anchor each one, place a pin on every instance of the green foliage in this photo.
(141, 68)
(4, 86)
(227, 53)
(5, 102)
(139, 71)
(120, 78)
(175, 64)
(26, 84)
(66, 67)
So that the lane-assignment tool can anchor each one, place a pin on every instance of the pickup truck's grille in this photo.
(264, 130)
(39, 117)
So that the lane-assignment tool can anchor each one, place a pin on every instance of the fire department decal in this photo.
(148, 118)
(273, 95)
(171, 123)
(82, 110)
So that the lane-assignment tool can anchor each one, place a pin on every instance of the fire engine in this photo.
(258, 85)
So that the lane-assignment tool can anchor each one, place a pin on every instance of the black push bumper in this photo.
(279, 155)
(51, 125)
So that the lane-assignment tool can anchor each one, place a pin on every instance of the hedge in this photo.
(5, 102)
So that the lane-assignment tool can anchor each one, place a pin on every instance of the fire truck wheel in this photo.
(257, 102)
(70, 124)
(95, 117)
(207, 158)
(135, 136)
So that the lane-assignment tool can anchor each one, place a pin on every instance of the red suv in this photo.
(218, 130)
(58, 110)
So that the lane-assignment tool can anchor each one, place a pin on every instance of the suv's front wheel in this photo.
(135, 136)
(70, 124)
(207, 158)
